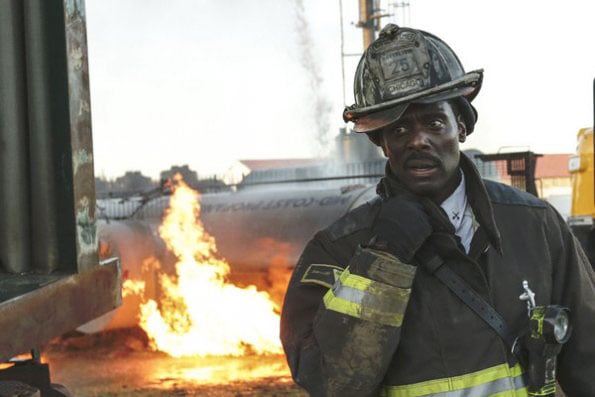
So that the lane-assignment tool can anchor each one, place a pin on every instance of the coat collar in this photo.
(477, 195)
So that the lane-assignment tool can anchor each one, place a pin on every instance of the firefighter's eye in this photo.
(436, 123)
(399, 130)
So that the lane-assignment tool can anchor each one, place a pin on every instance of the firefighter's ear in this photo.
(462, 127)
(377, 138)
(383, 147)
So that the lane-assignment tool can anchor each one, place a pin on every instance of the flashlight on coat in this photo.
(549, 329)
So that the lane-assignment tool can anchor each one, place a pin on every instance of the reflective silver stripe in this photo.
(348, 293)
(370, 300)
(520, 381)
(486, 389)
(387, 300)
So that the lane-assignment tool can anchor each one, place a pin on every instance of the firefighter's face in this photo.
(423, 149)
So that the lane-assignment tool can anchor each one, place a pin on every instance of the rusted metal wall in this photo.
(51, 280)
(14, 191)
(35, 318)
(46, 154)
(47, 105)
(81, 137)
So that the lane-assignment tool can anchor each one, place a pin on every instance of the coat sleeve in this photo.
(574, 287)
(340, 333)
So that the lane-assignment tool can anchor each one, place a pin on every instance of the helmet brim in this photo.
(377, 120)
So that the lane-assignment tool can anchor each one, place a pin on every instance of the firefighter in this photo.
(439, 285)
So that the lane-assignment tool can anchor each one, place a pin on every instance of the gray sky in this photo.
(206, 82)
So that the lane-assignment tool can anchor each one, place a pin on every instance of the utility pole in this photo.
(371, 13)
(370, 17)
(368, 21)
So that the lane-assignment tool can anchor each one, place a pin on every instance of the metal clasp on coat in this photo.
(528, 296)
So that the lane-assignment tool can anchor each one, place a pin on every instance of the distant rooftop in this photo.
(260, 165)
(552, 166)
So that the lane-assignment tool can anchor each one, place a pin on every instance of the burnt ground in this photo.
(119, 363)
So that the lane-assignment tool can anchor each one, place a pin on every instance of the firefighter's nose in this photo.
(419, 140)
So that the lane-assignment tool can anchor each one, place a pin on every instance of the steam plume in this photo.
(321, 105)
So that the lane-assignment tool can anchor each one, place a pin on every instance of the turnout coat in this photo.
(358, 322)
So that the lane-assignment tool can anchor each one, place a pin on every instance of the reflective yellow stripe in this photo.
(364, 284)
(331, 302)
(355, 281)
(545, 390)
(537, 315)
(501, 381)
(370, 300)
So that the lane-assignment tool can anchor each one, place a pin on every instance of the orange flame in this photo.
(132, 287)
(199, 312)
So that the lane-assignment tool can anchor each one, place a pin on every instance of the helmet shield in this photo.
(405, 66)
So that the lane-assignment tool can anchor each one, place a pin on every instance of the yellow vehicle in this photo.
(582, 212)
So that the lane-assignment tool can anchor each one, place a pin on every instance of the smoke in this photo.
(320, 104)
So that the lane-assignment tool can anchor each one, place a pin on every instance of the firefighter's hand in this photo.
(401, 227)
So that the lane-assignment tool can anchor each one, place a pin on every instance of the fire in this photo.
(132, 287)
(199, 312)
